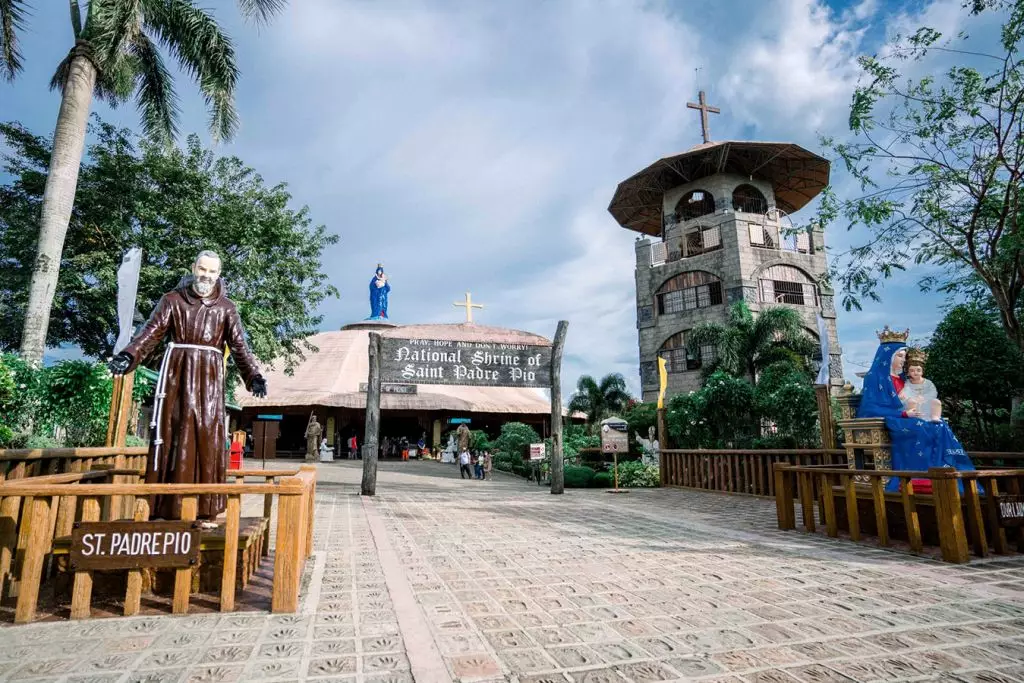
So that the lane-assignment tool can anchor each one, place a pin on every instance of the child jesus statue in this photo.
(919, 396)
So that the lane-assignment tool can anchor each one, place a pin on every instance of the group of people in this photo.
(475, 465)
(471, 465)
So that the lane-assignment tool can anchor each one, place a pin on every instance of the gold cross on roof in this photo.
(704, 109)
(468, 303)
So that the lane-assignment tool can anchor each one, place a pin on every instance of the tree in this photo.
(940, 161)
(976, 370)
(173, 203)
(116, 55)
(746, 344)
(599, 400)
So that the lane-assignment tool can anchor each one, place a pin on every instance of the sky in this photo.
(475, 146)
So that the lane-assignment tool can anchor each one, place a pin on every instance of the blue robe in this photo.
(378, 299)
(916, 444)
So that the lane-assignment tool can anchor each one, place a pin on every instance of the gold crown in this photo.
(916, 356)
(887, 335)
(380, 265)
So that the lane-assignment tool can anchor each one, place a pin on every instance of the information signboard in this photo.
(536, 451)
(443, 361)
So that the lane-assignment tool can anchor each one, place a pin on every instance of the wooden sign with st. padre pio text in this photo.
(442, 361)
(133, 545)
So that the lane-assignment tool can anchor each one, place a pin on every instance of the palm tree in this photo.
(116, 55)
(599, 400)
(746, 345)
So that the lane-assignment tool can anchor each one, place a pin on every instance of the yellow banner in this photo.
(663, 381)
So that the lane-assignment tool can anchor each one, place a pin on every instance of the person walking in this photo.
(464, 470)
(478, 466)
(488, 465)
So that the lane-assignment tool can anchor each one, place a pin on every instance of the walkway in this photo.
(438, 579)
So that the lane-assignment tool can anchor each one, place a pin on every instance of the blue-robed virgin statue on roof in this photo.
(918, 442)
(379, 289)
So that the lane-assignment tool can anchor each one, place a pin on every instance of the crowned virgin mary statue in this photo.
(379, 288)
(917, 443)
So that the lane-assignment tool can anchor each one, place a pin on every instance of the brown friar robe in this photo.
(193, 426)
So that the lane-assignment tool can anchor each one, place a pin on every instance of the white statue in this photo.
(448, 455)
(651, 450)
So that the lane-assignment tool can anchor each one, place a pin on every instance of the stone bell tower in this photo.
(716, 226)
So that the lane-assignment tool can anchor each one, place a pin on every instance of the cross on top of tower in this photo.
(704, 108)
(468, 303)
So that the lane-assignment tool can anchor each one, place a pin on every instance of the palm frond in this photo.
(704, 334)
(155, 96)
(261, 10)
(60, 74)
(12, 20)
(773, 324)
(115, 83)
(204, 51)
(76, 18)
(112, 27)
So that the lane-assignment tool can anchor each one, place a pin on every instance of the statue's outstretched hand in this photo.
(259, 386)
(120, 363)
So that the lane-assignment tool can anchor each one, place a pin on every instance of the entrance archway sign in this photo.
(397, 360)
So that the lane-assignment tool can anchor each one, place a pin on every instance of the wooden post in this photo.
(828, 504)
(369, 486)
(992, 512)
(183, 577)
(975, 520)
(881, 518)
(227, 582)
(133, 590)
(825, 420)
(910, 513)
(852, 514)
(949, 515)
(287, 552)
(557, 464)
(784, 497)
(32, 569)
(81, 590)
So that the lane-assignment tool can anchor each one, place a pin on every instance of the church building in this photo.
(716, 227)
(331, 383)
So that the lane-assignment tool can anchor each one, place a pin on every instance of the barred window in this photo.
(787, 285)
(678, 359)
(694, 204)
(748, 199)
(689, 291)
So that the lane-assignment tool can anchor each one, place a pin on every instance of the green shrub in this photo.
(578, 477)
(135, 441)
(635, 474)
(601, 480)
(514, 440)
(6, 436)
(502, 462)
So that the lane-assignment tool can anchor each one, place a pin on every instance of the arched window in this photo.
(694, 204)
(689, 291)
(749, 199)
(678, 359)
(787, 285)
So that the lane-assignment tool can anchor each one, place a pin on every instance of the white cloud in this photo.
(476, 145)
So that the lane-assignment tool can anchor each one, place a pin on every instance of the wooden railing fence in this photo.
(737, 471)
(37, 513)
(963, 523)
(20, 463)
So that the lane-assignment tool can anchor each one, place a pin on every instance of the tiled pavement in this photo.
(438, 579)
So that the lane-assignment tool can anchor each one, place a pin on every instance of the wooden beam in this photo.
(372, 433)
(557, 463)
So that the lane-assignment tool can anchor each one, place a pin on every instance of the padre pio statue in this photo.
(189, 424)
